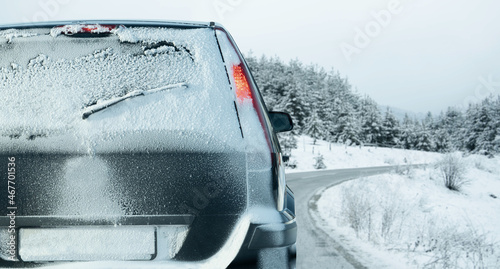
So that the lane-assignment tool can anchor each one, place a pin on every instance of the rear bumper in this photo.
(264, 236)
(271, 235)
(241, 245)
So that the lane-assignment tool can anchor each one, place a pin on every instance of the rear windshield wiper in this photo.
(103, 105)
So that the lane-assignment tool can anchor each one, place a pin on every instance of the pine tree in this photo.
(324, 105)
(496, 124)
(390, 130)
(347, 128)
(442, 141)
(315, 127)
(291, 103)
(408, 137)
(424, 139)
(268, 74)
(451, 123)
(371, 122)
(486, 126)
(479, 134)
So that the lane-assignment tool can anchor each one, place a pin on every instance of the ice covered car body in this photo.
(136, 144)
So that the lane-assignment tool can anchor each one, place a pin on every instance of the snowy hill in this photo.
(337, 156)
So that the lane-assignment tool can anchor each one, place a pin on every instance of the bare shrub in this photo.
(389, 220)
(393, 211)
(453, 170)
(371, 217)
(388, 217)
(356, 209)
(466, 249)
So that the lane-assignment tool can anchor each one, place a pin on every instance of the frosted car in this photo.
(128, 144)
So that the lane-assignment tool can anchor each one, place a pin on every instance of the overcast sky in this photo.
(419, 55)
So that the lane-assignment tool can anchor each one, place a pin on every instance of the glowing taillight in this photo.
(98, 28)
(243, 91)
(83, 29)
(244, 88)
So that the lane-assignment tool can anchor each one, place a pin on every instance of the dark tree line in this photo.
(323, 105)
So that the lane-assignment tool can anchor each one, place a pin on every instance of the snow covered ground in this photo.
(336, 156)
(409, 219)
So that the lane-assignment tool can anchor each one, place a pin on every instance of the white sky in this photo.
(429, 55)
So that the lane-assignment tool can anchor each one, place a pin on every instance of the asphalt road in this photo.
(315, 248)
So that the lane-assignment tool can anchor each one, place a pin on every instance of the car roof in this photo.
(137, 23)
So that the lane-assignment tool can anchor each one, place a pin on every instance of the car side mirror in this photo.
(281, 121)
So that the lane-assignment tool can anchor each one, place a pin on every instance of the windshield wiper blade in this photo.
(103, 105)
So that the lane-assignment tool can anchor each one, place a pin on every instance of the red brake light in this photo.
(243, 91)
(97, 28)
(83, 28)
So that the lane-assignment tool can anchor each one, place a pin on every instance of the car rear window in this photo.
(48, 79)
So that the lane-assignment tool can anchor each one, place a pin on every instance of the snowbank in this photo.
(410, 220)
(340, 156)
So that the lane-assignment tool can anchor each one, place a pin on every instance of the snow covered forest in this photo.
(324, 105)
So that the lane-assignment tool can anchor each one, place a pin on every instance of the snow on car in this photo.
(144, 142)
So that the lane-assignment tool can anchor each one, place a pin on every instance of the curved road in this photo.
(315, 248)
